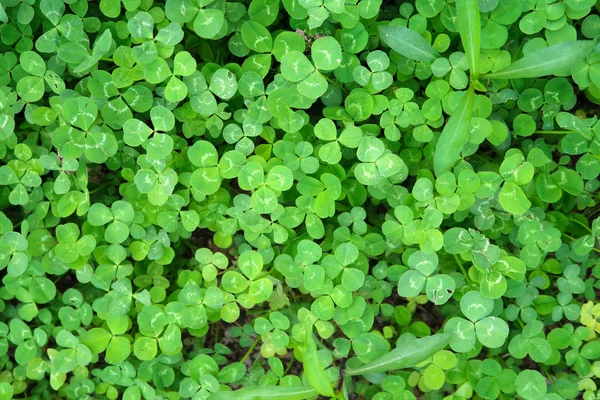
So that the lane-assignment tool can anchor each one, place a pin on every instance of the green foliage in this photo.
(299, 199)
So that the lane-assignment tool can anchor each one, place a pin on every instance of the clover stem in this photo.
(251, 349)
(289, 365)
(547, 373)
(464, 272)
(105, 184)
(573, 239)
(569, 236)
(334, 83)
(587, 228)
(171, 162)
(318, 342)
(520, 323)
(254, 362)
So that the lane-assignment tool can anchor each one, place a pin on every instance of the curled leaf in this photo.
(556, 60)
(404, 356)
(454, 135)
(408, 43)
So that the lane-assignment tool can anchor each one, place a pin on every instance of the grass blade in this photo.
(315, 373)
(408, 43)
(469, 27)
(552, 60)
(454, 135)
(405, 356)
(267, 392)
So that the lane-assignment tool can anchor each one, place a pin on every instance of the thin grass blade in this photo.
(315, 373)
(408, 43)
(454, 135)
(469, 27)
(405, 356)
(556, 60)
(267, 393)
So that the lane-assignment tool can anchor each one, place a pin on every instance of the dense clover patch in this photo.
(287, 199)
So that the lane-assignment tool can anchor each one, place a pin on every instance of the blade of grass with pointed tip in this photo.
(552, 60)
(405, 356)
(315, 373)
(454, 135)
(469, 27)
(267, 392)
(408, 43)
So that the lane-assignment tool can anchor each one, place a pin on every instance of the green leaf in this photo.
(411, 284)
(474, 306)
(209, 22)
(315, 373)
(491, 331)
(141, 25)
(463, 334)
(33, 63)
(295, 66)
(407, 355)
(530, 385)
(346, 253)
(280, 178)
(556, 60)
(7, 391)
(256, 37)
(145, 348)
(469, 27)
(96, 339)
(53, 10)
(326, 53)
(454, 135)
(408, 43)
(512, 199)
(31, 88)
(99, 215)
(267, 392)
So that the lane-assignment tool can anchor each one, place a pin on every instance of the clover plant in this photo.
(299, 199)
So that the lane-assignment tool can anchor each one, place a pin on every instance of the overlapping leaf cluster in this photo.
(290, 198)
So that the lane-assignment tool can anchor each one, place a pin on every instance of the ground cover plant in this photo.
(299, 199)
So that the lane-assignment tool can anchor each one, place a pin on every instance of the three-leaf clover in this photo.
(489, 330)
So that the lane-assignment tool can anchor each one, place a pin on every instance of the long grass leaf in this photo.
(552, 60)
(267, 393)
(408, 43)
(315, 373)
(405, 356)
(469, 27)
(454, 135)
